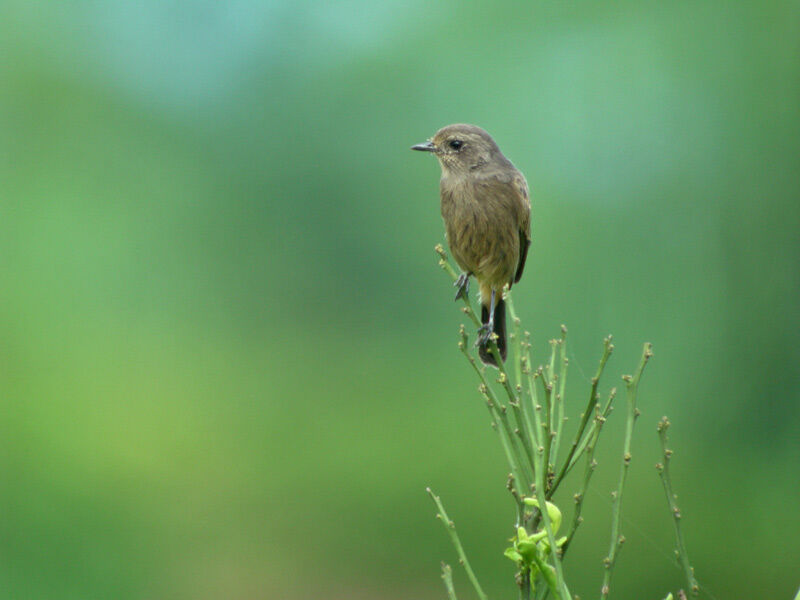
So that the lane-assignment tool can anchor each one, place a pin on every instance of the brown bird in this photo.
(487, 216)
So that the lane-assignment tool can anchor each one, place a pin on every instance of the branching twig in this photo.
(500, 420)
(608, 348)
(663, 472)
(516, 341)
(632, 385)
(447, 576)
(559, 398)
(559, 587)
(591, 464)
(462, 558)
(521, 366)
(540, 426)
(514, 401)
(549, 384)
(532, 443)
(511, 437)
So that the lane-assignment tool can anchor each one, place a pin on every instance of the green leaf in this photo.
(513, 555)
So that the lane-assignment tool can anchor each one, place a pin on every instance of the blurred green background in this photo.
(228, 357)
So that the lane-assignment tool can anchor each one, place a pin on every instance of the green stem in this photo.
(550, 579)
(547, 390)
(663, 472)
(525, 407)
(560, 589)
(521, 409)
(591, 464)
(516, 341)
(556, 584)
(539, 428)
(558, 395)
(608, 348)
(513, 399)
(523, 432)
(559, 399)
(462, 557)
(540, 441)
(499, 413)
(590, 431)
(447, 576)
(632, 387)
(500, 419)
(525, 585)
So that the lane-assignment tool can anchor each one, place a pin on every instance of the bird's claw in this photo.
(462, 283)
(485, 334)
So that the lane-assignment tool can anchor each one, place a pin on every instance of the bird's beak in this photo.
(426, 147)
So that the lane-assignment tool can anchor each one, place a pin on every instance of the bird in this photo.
(486, 209)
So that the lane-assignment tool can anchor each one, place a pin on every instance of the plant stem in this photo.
(663, 472)
(559, 397)
(516, 341)
(513, 399)
(548, 383)
(608, 348)
(559, 587)
(632, 387)
(539, 428)
(591, 464)
(447, 576)
(499, 414)
(462, 558)
(522, 363)
(500, 420)
(525, 586)
(590, 431)
(525, 429)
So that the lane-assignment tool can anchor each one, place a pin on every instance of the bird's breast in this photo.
(479, 233)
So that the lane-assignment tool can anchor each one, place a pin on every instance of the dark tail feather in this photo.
(499, 328)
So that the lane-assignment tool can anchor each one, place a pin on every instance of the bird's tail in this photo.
(499, 329)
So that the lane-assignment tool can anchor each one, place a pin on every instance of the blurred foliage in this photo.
(228, 356)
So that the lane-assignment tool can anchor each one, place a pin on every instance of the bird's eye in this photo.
(455, 144)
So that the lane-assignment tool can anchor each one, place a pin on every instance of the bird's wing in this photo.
(511, 190)
(523, 197)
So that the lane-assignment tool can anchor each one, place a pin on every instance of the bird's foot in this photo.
(462, 283)
(485, 334)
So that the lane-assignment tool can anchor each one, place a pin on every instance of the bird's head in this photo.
(461, 148)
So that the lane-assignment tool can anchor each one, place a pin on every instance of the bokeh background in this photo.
(228, 358)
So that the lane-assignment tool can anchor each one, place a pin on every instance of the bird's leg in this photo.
(462, 283)
(487, 329)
